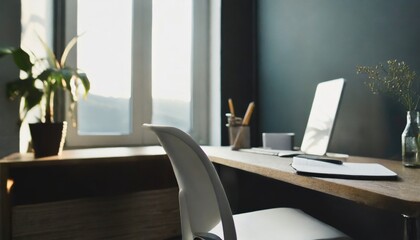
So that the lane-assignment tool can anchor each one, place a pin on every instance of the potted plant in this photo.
(398, 81)
(43, 77)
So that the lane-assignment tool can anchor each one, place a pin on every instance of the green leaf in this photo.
(22, 60)
(44, 76)
(66, 52)
(67, 74)
(70, 75)
(51, 78)
(20, 57)
(6, 51)
(85, 81)
(24, 88)
(56, 79)
(33, 97)
(52, 59)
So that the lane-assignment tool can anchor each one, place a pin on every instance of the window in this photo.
(147, 62)
(171, 62)
(108, 109)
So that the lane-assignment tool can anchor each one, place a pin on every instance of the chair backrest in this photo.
(202, 199)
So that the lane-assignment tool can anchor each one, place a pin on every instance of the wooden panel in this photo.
(42, 183)
(142, 215)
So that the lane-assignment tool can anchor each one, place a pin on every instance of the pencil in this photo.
(248, 114)
(231, 108)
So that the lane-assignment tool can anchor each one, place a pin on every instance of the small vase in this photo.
(410, 140)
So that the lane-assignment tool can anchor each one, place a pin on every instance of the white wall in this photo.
(36, 22)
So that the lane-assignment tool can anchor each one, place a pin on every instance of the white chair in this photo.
(204, 207)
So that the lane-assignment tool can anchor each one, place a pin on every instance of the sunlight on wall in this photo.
(36, 21)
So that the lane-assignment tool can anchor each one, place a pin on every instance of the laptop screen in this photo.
(322, 117)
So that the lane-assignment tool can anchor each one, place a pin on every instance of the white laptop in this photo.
(320, 123)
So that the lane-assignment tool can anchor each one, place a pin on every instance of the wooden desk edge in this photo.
(346, 189)
(88, 155)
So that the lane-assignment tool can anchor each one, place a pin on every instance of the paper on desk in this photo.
(346, 170)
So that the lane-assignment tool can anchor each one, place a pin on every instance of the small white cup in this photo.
(281, 141)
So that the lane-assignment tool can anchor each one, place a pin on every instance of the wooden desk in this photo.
(401, 196)
(107, 180)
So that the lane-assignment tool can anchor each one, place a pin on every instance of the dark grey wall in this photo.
(304, 42)
(238, 62)
(10, 36)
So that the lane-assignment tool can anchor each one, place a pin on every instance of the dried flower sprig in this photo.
(394, 79)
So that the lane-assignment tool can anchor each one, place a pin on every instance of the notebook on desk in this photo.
(346, 170)
(320, 124)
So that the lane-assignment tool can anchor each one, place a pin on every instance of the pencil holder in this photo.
(233, 121)
(239, 137)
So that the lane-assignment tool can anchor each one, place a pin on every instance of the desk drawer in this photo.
(150, 214)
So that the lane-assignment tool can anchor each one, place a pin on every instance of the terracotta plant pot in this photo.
(48, 138)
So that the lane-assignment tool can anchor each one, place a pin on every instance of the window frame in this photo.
(142, 77)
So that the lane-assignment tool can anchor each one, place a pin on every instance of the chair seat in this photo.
(281, 224)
